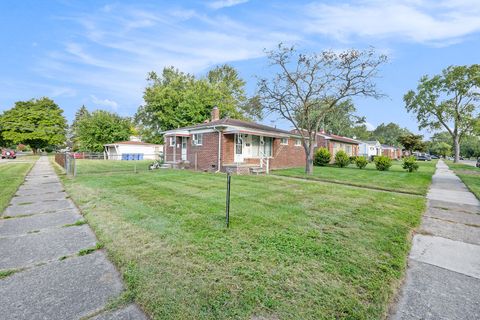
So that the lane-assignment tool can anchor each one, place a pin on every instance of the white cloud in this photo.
(104, 102)
(427, 21)
(225, 3)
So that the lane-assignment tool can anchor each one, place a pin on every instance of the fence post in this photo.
(74, 167)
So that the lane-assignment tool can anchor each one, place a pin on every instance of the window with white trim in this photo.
(284, 141)
(172, 141)
(197, 139)
(298, 142)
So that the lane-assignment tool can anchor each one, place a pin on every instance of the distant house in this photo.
(336, 143)
(133, 150)
(369, 149)
(391, 151)
(232, 145)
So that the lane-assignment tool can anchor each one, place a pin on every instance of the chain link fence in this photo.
(90, 163)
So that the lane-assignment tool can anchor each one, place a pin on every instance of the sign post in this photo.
(227, 209)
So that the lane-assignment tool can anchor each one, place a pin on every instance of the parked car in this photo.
(8, 154)
(478, 163)
(422, 157)
(434, 157)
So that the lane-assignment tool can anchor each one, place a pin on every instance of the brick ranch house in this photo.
(232, 145)
(336, 143)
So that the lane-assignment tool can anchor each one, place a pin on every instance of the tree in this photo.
(389, 133)
(412, 142)
(360, 132)
(342, 119)
(307, 87)
(38, 123)
(470, 146)
(73, 132)
(441, 148)
(449, 101)
(177, 99)
(99, 128)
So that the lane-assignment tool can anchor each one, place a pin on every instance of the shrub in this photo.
(353, 159)
(342, 159)
(382, 163)
(322, 157)
(410, 164)
(361, 162)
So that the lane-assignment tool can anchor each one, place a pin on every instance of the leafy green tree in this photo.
(389, 133)
(176, 99)
(441, 148)
(73, 132)
(101, 127)
(448, 101)
(470, 147)
(342, 119)
(38, 123)
(360, 132)
(412, 142)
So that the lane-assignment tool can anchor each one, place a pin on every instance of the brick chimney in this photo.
(215, 115)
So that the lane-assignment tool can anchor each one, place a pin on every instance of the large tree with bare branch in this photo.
(448, 101)
(306, 87)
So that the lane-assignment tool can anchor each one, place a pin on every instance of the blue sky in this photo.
(98, 53)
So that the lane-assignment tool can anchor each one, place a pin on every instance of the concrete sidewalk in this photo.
(39, 244)
(443, 276)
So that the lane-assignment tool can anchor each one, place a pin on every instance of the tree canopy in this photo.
(448, 101)
(343, 119)
(38, 123)
(412, 142)
(305, 88)
(176, 99)
(389, 133)
(93, 130)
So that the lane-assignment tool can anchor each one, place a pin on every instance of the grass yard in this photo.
(101, 166)
(470, 175)
(11, 177)
(396, 179)
(295, 249)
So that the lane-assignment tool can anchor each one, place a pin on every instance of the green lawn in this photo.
(11, 177)
(470, 176)
(396, 179)
(295, 249)
(101, 166)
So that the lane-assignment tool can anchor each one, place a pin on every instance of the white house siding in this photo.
(150, 152)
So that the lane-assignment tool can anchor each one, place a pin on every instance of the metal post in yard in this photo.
(134, 167)
(227, 209)
(74, 167)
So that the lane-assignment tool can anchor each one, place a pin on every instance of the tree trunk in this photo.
(456, 146)
(309, 159)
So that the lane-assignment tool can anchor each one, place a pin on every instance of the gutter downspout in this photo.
(219, 148)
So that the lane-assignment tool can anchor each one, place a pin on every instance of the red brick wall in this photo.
(287, 156)
(169, 151)
(228, 145)
(204, 157)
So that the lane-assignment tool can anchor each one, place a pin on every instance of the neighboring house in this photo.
(391, 151)
(133, 150)
(232, 145)
(336, 143)
(369, 149)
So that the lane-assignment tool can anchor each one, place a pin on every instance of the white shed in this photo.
(133, 150)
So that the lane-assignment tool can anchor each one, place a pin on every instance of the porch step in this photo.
(257, 170)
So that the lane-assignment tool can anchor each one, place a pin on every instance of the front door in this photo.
(238, 148)
(184, 148)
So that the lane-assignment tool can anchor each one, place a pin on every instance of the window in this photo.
(284, 141)
(172, 141)
(348, 149)
(197, 139)
(298, 142)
